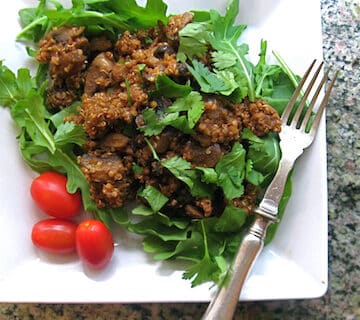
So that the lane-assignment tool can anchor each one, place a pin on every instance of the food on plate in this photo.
(166, 111)
(94, 243)
(54, 235)
(48, 191)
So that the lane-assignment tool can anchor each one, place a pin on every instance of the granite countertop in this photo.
(341, 44)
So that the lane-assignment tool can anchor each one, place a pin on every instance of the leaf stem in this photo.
(31, 25)
(206, 249)
(251, 93)
(286, 69)
(51, 144)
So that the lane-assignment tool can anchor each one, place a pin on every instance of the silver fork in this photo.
(297, 133)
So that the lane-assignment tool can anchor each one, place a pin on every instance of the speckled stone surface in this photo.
(341, 40)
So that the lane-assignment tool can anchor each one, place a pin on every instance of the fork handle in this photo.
(224, 304)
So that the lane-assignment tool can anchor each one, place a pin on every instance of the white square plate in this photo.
(294, 265)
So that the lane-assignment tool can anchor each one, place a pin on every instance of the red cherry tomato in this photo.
(94, 243)
(54, 235)
(49, 192)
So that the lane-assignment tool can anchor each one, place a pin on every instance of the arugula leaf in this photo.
(281, 93)
(98, 16)
(119, 215)
(34, 21)
(13, 88)
(140, 17)
(45, 145)
(231, 220)
(157, 228)
(265, 74)
(264, 154)
(160, 248)
(251, 175)
(30, 114)
(231, 172)
(224, 39)
(58, 118)
(142, 210)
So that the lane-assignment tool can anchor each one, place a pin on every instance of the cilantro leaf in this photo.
(69, 132)
(154, 197)
(207, 267)
(209, 81)
(155, 122)
(193, 39)
(181, 169)
(169, 88)
(231, 172)
(192, 103)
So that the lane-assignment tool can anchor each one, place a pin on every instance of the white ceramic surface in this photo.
(294, 265)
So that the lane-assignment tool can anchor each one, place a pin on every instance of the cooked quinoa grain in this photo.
(115, 82)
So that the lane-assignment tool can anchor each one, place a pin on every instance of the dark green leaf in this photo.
(251, 175)
(169, 88)
(209, 81)
(231, 220)
(193, 104)
(193, 39)
(264, 154)
(270, 234)
(208, 267)
(58, 118)
(265, 74)
(69, 133)
(231, 172)
(156, 228)
(119, 216)
(154, 197)
(142, 210)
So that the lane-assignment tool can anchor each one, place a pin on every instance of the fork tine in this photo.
(313, 100)
(323, 104)
(290, 105)
(303, 100)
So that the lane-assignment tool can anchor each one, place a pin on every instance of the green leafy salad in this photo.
(161, 121)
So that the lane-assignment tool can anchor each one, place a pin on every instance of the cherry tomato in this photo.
(94, 243)
(49, 192)
(54, 235)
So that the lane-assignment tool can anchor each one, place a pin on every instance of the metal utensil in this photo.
(295, 136)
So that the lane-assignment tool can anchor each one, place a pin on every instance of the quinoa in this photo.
(114, 80)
